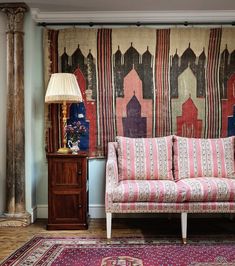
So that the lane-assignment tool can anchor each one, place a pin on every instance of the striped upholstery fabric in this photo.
(203, 157)
(171, 207)
(111, 174)
(206, 189)
(145, 191)
(145, 158)
(201, 189)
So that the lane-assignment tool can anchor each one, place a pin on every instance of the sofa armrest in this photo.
(111, 174)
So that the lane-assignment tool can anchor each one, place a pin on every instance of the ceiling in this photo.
(131, 11)
(127, 5)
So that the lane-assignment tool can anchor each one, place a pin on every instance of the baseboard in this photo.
(42, 211)
(33, 213)
(97, 211)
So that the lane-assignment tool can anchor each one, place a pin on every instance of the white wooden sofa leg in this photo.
(108, 224)
(184, 226)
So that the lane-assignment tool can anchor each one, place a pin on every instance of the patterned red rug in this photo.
(71, 251)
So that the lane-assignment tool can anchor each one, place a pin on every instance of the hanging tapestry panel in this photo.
(144, 82)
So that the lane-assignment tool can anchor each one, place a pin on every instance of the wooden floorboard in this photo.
(12, 238)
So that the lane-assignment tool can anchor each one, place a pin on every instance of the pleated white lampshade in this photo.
(63, 87)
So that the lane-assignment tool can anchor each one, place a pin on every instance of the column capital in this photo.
(15, 14)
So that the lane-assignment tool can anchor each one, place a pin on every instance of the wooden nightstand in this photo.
(67, 191)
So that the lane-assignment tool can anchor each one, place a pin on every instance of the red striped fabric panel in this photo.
(52, 132)
(105, 105)
(213, 98)
(163, 126)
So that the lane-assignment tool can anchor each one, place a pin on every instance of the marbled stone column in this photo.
(16, 214)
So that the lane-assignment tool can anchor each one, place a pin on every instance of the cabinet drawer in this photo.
(66, 173)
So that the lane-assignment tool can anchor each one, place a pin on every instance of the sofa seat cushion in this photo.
(145, 158)
(145, 191)
(203, 157)
(201, 189)
(206, 189)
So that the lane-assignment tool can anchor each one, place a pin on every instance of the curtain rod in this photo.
(138, 24)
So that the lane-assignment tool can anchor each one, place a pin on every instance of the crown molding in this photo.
(189, 16)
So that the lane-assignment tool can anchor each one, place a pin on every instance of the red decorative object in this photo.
(188, 125)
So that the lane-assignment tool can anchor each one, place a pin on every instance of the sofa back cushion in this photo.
(145, 158)
(203, 157)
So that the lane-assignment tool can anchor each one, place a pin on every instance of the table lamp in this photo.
(63, 88)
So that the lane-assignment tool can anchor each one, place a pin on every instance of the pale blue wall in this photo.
(34, 111)
(36, 165)
(96, 181)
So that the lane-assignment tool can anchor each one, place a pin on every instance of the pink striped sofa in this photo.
(170, 175)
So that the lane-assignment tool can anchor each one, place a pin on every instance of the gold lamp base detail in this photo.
(64, 150)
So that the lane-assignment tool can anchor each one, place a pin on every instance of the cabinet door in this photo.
(66, 207)
(66, 173)
(67, 193)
